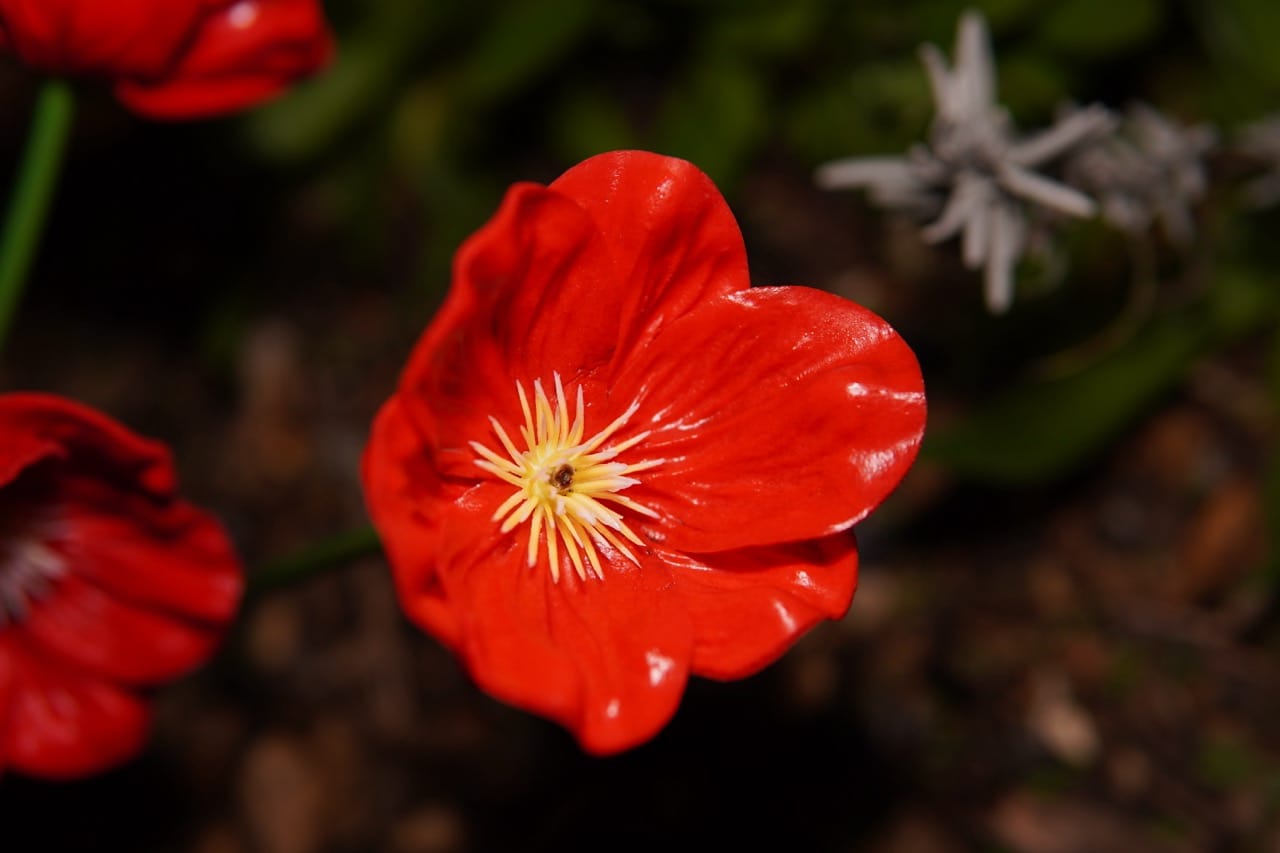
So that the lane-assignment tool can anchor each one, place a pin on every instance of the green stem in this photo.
(32, 193)
(333, 551)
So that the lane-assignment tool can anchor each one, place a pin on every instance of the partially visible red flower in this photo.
(611, 463)
(172, 58)
(109, 584)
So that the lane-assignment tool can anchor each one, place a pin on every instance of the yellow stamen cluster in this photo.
(564, 484)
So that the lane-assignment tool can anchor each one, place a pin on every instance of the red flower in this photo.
(108, 583)
(172, 58)
(610, 463)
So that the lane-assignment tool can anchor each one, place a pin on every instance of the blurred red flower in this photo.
(109, 583)
(610, 463)
(172, 59)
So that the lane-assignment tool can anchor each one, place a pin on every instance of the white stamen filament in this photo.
(565, 484)
(28, 568)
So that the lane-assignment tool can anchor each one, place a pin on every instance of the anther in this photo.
(563, 477)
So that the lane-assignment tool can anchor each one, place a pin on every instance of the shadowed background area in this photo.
(1066, 635)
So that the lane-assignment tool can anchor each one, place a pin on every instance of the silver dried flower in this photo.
(1150, 169)
(974, 173)
(1260, 141)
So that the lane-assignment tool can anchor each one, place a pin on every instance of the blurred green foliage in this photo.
(446, 105)
(1226, 760)
(1039, 431)
(534, 85)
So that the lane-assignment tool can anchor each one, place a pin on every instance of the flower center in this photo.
(566, 485)
(28, 569)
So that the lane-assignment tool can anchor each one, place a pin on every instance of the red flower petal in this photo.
(632, 644)
(177, 562)
(402, 491)
(240, 55)
(673, 243)
(536, 259)
(749, 606)
(780, 413)
(85, 626)
(117, 520)
(123, 37)
(607, 659)
(594, 656)
(21, 451)
(567, 280)
(107, 447)
(60, 723)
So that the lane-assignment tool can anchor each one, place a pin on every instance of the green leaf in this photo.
(524, 39)
(1031, 86)
(715, 119)
(1226, 761)
(587, 121)
(875, 109)
(1046, 430)
(1240, 37)
(1246, 32)
(1042, 431)
(360, 82)
(1097, 28)
(1004, 13)
(767, 29)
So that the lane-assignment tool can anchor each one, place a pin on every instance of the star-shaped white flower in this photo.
(974, 173)
(1150, 169)
(1260, 142)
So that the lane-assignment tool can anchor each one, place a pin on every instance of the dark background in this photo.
(1064, 649)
